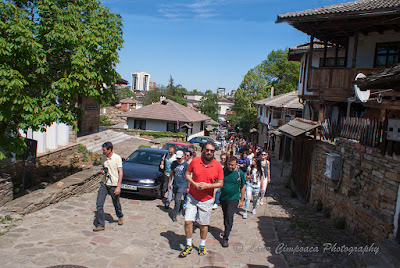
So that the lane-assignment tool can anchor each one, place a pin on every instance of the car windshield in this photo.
(145, 157)
(177, 147)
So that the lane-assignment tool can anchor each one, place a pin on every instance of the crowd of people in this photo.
(198, 186)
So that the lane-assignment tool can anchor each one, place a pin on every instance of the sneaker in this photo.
(261, 202)
(225, 243)
(245, 215)
(258, 202)
(215, 206)
(254, 211)
(202, 250)
(120, 221)
(98, 229)
(186, 251)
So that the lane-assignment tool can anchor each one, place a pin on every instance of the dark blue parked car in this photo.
(141, 172)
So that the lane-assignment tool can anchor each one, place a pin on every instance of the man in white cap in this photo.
(177, 181)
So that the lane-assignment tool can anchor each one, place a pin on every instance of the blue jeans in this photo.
(178, 193)
(217, 195)
(252, 192)
(104, 190)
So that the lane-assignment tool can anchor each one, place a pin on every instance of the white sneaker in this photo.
(261, 202)
(245, 215)
(215, 206)
(254, 211)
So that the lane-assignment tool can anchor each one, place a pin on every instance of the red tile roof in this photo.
(171, 111)
(129, 100)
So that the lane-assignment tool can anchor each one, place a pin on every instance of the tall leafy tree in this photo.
(279, 72)
(52, 53)
(209, 104)
(124, 92)
(175, 92)
(253, 87)
(275, 71)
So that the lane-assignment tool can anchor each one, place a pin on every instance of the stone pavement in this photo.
(62, 234)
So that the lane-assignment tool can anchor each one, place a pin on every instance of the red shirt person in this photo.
(204, 174)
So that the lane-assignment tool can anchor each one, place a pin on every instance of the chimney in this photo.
(272, 92)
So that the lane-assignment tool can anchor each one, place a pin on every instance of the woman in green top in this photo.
(234, 189)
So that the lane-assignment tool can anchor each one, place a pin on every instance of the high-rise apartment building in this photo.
(221, 92)
(140, 81)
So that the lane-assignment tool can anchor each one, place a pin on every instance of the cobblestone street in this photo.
(62, 234)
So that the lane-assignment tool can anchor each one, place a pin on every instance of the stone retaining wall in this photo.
(367, 193)
(63, 152)
(82, 182)
(6, 191)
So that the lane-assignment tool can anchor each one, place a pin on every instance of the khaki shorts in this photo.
(203, 208)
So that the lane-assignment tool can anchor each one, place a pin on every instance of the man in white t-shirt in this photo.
(110, 185)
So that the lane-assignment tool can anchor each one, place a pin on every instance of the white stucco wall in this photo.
(196, 131)
(55, 136)
(224, 107)
(366, 47)
(265, 112)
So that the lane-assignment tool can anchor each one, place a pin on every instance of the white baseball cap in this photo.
(179, 154)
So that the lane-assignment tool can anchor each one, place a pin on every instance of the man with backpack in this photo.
(234, 189)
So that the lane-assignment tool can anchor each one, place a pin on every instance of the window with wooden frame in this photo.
(387, 55)
(276, 114)
(330, 62)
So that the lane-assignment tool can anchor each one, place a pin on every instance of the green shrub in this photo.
(319, 205)
(293, 194)
(104, 121)
(144, 146)
(339, 222)
(81, 148)
(160, 134)
(327, 212)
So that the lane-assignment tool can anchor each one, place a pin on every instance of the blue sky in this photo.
(204, 44)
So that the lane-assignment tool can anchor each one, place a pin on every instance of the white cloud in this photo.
(194, 9)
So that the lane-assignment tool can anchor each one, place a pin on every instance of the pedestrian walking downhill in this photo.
(109, 185)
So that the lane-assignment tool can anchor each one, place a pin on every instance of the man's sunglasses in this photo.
(209, 150)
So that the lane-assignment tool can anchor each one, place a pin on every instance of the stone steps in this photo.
(93, 142)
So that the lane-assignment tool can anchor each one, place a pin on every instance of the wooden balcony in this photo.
(335, 83)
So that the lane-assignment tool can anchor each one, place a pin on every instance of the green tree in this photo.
(279, 72)
(175, 92)
(209, 104)
(125, 92)
(153, 96)
(52, 53)
(275, 71)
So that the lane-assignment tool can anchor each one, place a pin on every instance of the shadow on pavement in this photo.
(176, 242)
(134, 196)
(216, 233)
